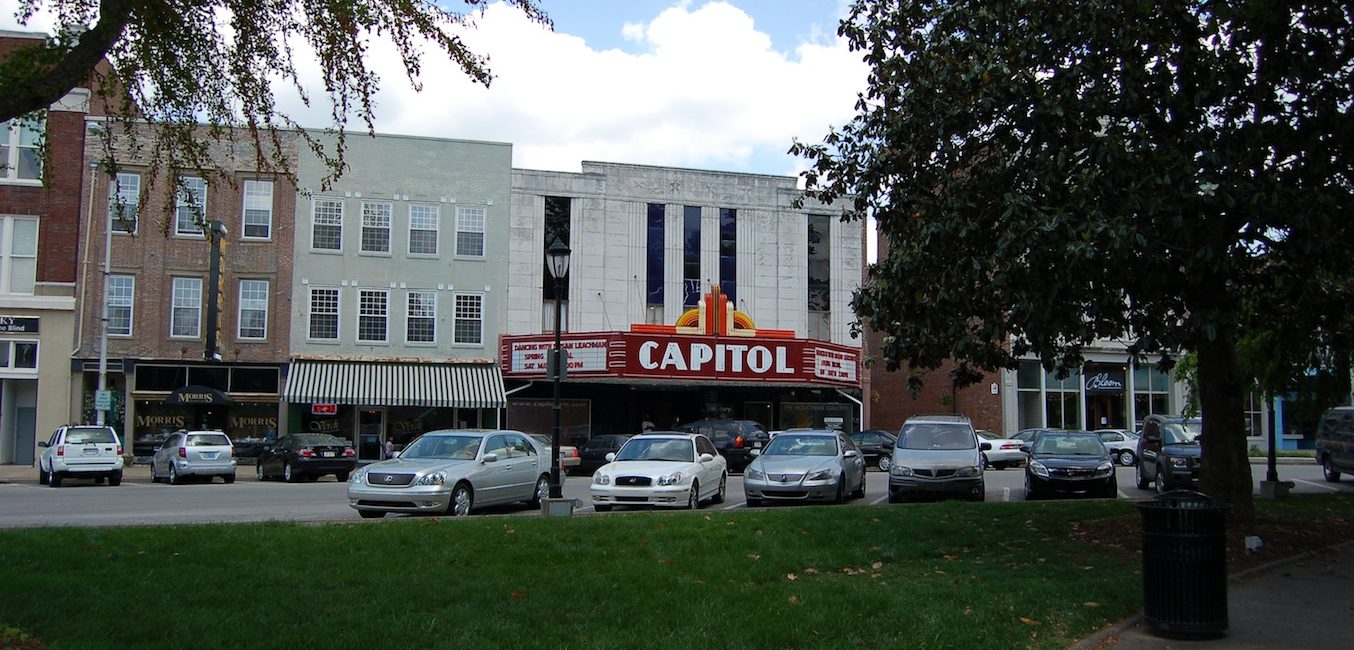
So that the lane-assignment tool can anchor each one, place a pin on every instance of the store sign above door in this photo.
(1105, 382)
(324, 409)
(18, 325)
(709, 342)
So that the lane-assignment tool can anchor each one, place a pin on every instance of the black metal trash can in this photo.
(1184, 564)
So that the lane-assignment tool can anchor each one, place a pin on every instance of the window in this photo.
(820, 278)
(728, 254)
(253, 309)
(124, 198)
(18, 255)
(258, 210)
(469, 325)
(371, 316)
(326, 223)
(186, 315)
(20, 154)
(423, 226)
(654, 260)
(190, 208)
(1062, 401)
(1151, 391)
(470, 232)
(19, 355)
(121, 290)
(324, 314)
(420, 321)
(375, 227)
(691, 255)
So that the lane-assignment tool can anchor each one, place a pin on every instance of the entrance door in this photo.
(25, 429)
(371, 434)
(1104, 412)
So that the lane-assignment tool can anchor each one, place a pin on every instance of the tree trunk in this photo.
(1226, 471)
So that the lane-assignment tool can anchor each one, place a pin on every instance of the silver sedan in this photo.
(805, 466)
(453, 472)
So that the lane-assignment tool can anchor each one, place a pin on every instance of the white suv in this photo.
(76, 451)
(201, 454)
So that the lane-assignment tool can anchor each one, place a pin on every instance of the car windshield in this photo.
(988, 435)
(82, 436)
(789, 444)
(1181, 433)
(937, 436)
(601, 442)
(666, 449)
(443, 448)
(1069, 445)
(207, 440)
(320, 439)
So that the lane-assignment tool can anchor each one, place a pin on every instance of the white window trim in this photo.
(10, 166)
(455, 319)
(7, 255)
(389, 228)
(437, 230)
(10, 370)
(131, 306)
(115, 188)
(240, 308)
(179, 203)
(244, 205)
(338, 314)
(342, 216)
(173, 293)
(408, 315)
(358, 338)
(483, 232)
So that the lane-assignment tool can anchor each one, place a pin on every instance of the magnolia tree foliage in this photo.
(1046, 174)
(181, 63)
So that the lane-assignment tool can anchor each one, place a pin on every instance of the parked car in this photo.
(735, 439)
(306, 456)
(1069, 463)
(877, 446)
(195, 454)
(568, 454)
(1168, 452)
(1027, 436)
(1005, 452)
(77, 451)
(1335, 442)
(1121, 443)
(667, 469)
(594, 451)
(805, 466)
(937, 455)
(453, 471)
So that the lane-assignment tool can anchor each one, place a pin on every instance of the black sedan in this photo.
(593, 453)
(306, 456)
(876, 445)
(1069, 463)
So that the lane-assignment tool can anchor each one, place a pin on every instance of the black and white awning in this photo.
(394, 383)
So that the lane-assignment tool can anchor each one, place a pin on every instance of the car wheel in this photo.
(115, 478)
(860, 491)
(228, 478)
(43, 478)
(1143, 483)
(289, 475)
(462, 500)
(841, 490)
(1112, 490)
(723, 489)
(54, 479)
(1332, 474)
(1030, 494)
(174, 475)
(755, 502)
(896, 497)
(371, 514)
(986, 463)
(884, 463)
(981, 494)
(1126, 457)
(1162, 484)
(602, 508)
(542, 491)
(695, 501)
(341, 477)
(258, 472)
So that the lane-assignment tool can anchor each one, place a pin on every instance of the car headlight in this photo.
(671, 479)
(1038, 469)
(970, 472)
(1180, 463)
(899, 470)
(435, 478)
(754, 475)
(1105, 469)
(360, 476)
(601, 479)
(820, 475)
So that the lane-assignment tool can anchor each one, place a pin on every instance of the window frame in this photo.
(8, 255)
(180, 205)
(456, 319)
(240, 308)
(384, 316)
(315, 204)
(464, 228)
(336, 314)
(129, 204)
(130, 305)
(245, 208)
(11, 140)
(174, 306)
(436, 215)
(409, 317)
(389, 217)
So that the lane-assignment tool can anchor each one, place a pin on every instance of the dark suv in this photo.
(1169, 452)
(735, 439)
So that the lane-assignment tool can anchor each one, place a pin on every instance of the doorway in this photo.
(371, 434)
(1104, 412)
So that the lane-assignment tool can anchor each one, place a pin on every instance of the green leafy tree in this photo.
(178, 64)
(1049, 173)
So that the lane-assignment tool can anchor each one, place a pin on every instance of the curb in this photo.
(1099, 639)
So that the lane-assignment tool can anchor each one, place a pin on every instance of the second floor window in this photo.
(421, 317)
(186, 316)
(469, 327)
(190, 208)
(18, 255)
(371, 316)
(124, 197)
(257, 220)
(253, 309)
(375, 227)
(121, 292)
(326, 223)
(20, 156)
(324, 314)
(470, 232)
(423, 225)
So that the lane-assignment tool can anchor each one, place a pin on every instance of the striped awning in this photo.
(393, 383)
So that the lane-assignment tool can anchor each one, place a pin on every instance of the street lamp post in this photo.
(557, 263)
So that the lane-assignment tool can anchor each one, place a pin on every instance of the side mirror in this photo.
(610, 456)
(851, 453)
(705, 458)
(984, 446)
(42, 444)
(490, 458)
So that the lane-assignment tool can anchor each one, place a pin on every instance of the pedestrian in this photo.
(647, 424)
(390, 448)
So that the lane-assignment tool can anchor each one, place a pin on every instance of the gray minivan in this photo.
(1335, 442)
(937, 456)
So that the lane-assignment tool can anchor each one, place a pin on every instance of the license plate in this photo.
(91, 451)
(756, 445)
(210, 455)
(328, 454)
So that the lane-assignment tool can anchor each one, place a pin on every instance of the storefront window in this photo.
(406, 423)
(1151, 392)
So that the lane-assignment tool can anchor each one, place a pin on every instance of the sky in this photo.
(723, 85)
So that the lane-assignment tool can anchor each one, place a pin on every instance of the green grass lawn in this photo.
(928, 575)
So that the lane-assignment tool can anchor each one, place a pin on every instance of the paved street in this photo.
(138, 501)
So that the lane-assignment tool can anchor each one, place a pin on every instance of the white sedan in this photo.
(672, 470)
(1121, 443)
(1005, 452)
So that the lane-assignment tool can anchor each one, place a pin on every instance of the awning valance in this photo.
(391, 383)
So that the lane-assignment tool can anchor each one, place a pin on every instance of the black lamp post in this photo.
(557, 263)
